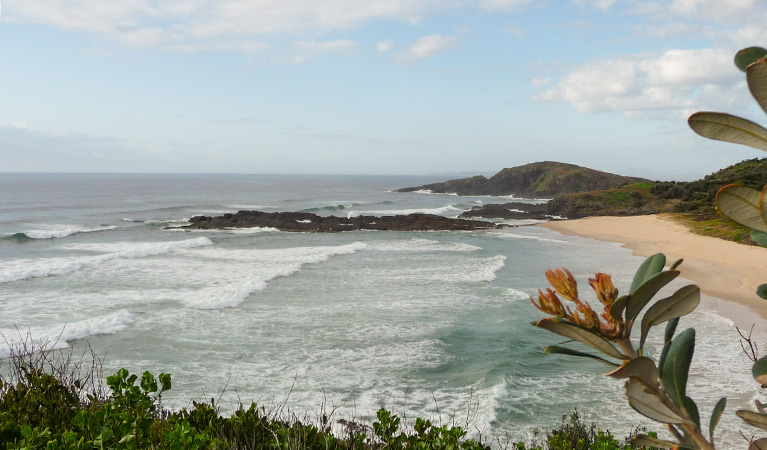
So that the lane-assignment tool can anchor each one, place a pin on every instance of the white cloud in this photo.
(601, 4)
(540, 82)
(306, 50)
(504, 5)
(717, 11)
(384, 46)
(673, 81)
(190, 24)
(427, 47)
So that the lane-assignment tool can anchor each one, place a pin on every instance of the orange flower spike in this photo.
(609, 326)
(564, 283)
(549, 303)
(591, 318)
(603, 287)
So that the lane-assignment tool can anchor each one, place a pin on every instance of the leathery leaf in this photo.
(680, 303)
(644, 293)
(748, 56)
(556, 349)
(642, 368)
(716, 415)
(759, 371)
(742, 205)
(669, 334)
(728, 128)
(648, 269)
(676, 366)
(755, 419)
(646, 402)
(577, 333)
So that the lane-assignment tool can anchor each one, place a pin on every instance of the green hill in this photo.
(693, 200)
(543, 179)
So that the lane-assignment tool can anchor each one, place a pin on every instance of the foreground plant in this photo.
(657, 391)
(739, 203)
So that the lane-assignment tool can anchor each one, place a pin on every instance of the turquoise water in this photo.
(435, 324)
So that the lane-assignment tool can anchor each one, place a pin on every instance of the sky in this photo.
(371, 86)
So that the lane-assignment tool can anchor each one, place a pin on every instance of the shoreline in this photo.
(722, 269)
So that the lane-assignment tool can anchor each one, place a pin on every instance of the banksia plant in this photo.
(739, 203)
(655, 390)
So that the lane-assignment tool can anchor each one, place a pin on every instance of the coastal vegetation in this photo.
(50, 401)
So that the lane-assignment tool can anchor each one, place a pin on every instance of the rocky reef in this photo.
(510, 210)
(312, 223)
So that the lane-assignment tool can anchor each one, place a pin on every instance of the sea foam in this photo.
(402, 212)
(60, 231)
(21, 269)
(422, 245)
(257, 268)
(60, 335)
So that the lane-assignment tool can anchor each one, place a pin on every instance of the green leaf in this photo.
(742, 205)
(715, 416)
(556, 349)
(643, 440)
(759, 444)
(648, 269)
(587, 337)
(682, 302)
(748, 56)
(761, 291)
(759, 238)
(642, 368)
(729, 128)
(670, 329)
(755, 419)
(759, 371)
(165, 381)
(645, 292)
(756, 76)
(676, 366)
(619, 305)
(645, 401)
(692, 410)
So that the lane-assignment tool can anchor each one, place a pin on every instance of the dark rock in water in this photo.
(589, 204)
(510, 210)
(308, 222)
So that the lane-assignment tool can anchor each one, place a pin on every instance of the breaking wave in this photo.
(22, 269)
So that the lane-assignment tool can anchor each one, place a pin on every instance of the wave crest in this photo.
(56, 231)
(22, 269)
(60, 335)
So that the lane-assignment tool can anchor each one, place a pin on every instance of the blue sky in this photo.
(370, 86)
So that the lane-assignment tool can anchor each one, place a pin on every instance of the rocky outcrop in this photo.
(510, 210)
(545, 179)
(307, 222)
(589, 204)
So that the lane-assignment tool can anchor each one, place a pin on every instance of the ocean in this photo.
(431, 324)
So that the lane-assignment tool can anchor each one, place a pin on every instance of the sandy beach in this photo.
(722, 269)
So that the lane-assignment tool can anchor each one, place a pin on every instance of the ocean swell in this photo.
(22, 269)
